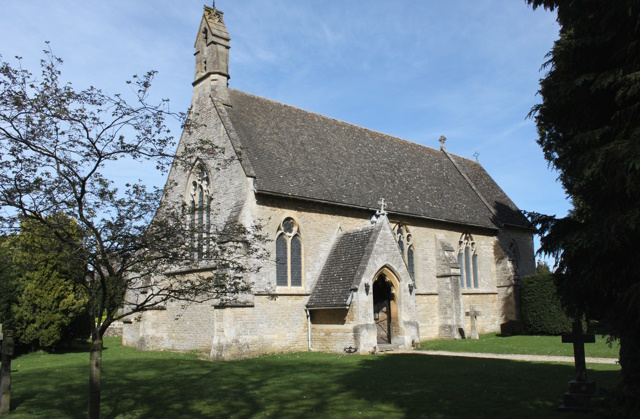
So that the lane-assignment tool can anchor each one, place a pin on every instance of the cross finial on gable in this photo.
(476, 154)
(383, 206)
(442, 140)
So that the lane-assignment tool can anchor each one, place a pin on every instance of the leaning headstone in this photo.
(5, 372)
(473, 313)
(581, 390)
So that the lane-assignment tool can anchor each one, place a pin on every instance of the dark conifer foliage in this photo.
(589, 129)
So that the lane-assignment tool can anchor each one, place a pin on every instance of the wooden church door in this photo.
(382, 309)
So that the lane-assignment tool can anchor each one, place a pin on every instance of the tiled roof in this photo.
(297, 153)
(504, 209)
(343, 267)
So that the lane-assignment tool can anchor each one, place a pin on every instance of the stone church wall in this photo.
(320, 225)
(487, 304)
(176, 327)
(272, 325)
(427, 314)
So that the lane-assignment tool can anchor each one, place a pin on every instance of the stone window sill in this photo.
(477, 292)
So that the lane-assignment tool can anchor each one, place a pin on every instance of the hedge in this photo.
(540, 307)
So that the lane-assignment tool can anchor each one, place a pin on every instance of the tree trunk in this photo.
(630, 367)
(95, 368)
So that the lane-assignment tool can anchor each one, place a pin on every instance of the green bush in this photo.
(540, 307)
(8, 282)
(50, 306)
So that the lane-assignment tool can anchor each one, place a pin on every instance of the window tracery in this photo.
(199, 203)
(468, 261)
(405, 244)
(288, 254)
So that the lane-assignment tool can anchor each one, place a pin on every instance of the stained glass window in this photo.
(405, 244)
(200, 231)
(468, 261)
(199, 204)
(282, 279)
(412, 269)
(288, 225)
(289, 254)
(461, 264)
(296, 261)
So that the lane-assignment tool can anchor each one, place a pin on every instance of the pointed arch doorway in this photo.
(383, 305)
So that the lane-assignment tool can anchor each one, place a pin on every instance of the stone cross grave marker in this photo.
(473, 313)
(581, 390)
(579, 339)
(5, 372)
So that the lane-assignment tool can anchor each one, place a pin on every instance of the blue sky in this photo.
(464, 69)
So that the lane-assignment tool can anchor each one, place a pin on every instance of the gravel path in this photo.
(535, 358)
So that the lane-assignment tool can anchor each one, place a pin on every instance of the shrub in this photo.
(50, 307)
(540, 306)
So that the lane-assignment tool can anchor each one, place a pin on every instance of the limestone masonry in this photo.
(373, 240)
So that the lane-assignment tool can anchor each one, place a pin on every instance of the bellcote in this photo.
(212, 53)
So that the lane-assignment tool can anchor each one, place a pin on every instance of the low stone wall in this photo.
(331, 338)
(114, 330)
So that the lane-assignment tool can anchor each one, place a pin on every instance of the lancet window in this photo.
(289, 254)
(199, 203)
(468, 261)
(405, 243)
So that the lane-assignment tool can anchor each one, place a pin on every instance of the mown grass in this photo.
(172, 385)
(521, 344)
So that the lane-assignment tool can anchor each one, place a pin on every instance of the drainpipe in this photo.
(308, 327)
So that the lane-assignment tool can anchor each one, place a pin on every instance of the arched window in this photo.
(468, 261)
(405, 244)
(199, 204)
(288, 254)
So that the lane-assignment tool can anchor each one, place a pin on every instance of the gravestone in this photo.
(5, 372)
(473, 314)
(581, 390)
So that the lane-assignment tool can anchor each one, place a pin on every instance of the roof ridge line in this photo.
(466, 178)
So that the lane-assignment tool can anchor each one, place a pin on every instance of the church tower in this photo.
(212, 54)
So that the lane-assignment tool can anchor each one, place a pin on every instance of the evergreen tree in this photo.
(51, 307)
(589, 129)
(8, 282)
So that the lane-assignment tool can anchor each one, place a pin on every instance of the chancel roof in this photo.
(292, 152)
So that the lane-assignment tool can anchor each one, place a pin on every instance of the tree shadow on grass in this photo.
(304, 385)
(469, 387)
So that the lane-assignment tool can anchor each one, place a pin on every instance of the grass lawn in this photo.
(171, 385)
(528, 345)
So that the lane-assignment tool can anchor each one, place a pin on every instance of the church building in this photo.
(374, 242)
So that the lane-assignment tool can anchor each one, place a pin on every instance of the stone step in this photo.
(388, 347)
